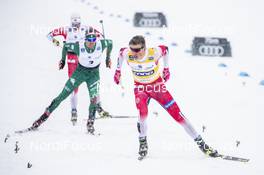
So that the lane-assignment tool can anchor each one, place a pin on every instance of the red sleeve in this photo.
(121, 51)
(59, 32)
(164, 54)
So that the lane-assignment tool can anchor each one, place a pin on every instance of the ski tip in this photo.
(73, 123)
(7, 137)
(25, 130)
(140, 158)
(238, 159)
(93, 134)
(18, 132)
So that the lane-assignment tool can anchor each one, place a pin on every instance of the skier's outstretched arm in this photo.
(120, 60)
(108, 45)
(57, 32)
(163, 52)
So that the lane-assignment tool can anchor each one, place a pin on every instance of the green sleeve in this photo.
(70, 47)
(108, 45)
(64, 51)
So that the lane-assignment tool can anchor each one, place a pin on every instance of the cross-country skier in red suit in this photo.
(72, 34)
(149, 83)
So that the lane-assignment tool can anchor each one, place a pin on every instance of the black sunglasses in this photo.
(136, 49)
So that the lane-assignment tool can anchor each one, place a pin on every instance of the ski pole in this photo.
(102, 25)
(122, 88)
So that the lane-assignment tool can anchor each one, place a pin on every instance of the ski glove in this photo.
(61, 64)
(108, 62)
(117, 76)
(55, 42)
(166, 74)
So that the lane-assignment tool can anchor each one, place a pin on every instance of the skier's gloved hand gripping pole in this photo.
(57, 43)
(117, 76)
(164, 54)
(54, 41)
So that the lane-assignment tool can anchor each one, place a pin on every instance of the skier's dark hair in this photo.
(138, 39)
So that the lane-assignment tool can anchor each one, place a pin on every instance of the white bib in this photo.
(93, 59)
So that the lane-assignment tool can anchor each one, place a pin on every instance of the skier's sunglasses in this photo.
(136, 49)
(91, 39)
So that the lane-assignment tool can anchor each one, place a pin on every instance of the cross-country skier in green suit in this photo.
(90, 54)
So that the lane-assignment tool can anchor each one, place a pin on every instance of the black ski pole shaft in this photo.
(102, 25)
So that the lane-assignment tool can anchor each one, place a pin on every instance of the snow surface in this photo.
(208, 95)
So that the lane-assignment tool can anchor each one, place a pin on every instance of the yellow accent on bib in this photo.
(146, 70)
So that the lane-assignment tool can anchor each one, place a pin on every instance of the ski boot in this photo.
(205, 148)
(39, 121)
(74, 116)
(143, 147)
(90, 126)
(102, 113)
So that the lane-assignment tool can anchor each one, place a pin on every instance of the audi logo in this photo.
(144, 22)
(207, 50)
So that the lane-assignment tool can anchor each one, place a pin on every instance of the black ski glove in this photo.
(108, 63)
(61, 64)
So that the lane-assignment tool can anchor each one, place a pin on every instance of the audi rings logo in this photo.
(207, 50)
(213, 47)
(145, 22)
(150, 19)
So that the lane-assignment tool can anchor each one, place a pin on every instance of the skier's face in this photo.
(90, 40)
(90, 44)
(76, 25)
(138, 51)
(76, 22)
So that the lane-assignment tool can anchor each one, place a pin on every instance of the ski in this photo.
(140, 158)
(7, 137)
(238, 159)
(94, 134)
(73, 123)
(25, 130)
(118, 116)
(123, 116)
(32, 129)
